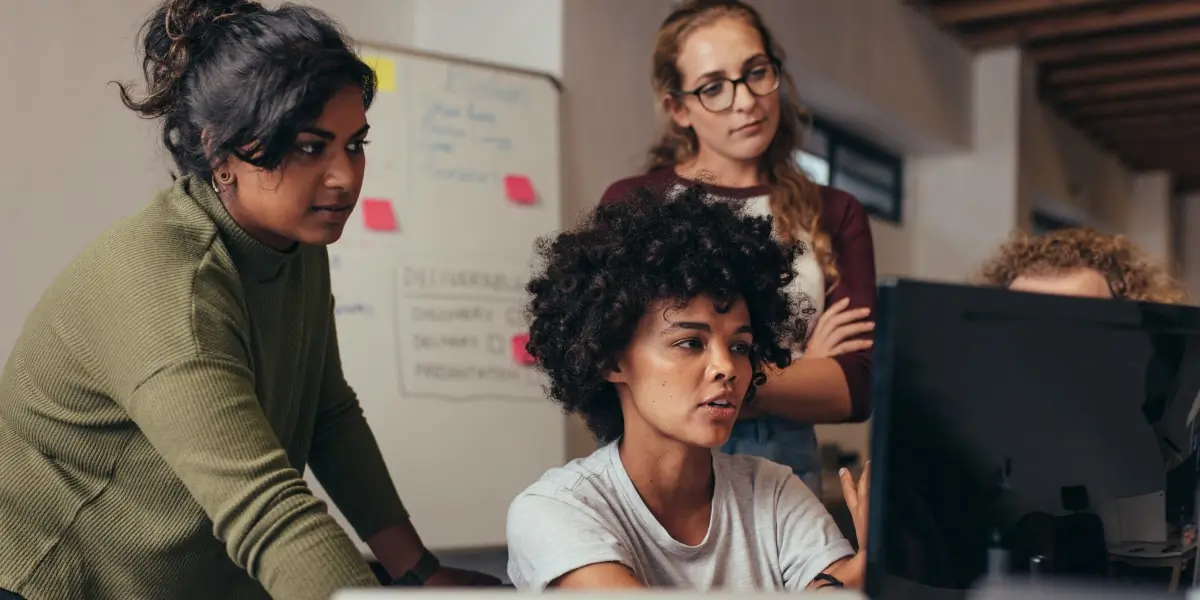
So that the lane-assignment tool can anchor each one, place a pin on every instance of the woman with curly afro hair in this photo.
(655, 320)
(1081, 262)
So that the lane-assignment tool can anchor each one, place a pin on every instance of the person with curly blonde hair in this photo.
(1081, 262)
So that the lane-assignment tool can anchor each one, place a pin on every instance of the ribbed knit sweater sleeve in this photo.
(345, 456)
(200, 411)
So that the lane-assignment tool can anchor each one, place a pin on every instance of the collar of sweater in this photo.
(256, 259)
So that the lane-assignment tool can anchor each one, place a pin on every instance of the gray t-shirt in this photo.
(767, 532)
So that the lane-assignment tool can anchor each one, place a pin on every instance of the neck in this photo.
(728, 172)
(269, 238)
(671, 477)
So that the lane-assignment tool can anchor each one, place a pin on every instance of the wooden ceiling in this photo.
(1126, 72)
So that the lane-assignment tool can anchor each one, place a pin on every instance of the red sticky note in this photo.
(520, 355)
(519, 189)
(378, 214)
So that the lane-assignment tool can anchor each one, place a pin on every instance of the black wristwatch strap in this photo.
(828, 580)
(420, 573)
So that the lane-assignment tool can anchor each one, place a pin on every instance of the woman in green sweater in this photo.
(167, 392)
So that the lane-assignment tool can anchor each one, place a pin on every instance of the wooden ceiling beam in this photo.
(1162, 148)
(1142, 122)
(1121, 141)
(1115, 44)
(1126, 69)
(983, 10)
(1156, 163)
(1131, 106)
(1105, 91)
(1096, 20)
(1177, 170)
(1182, 160)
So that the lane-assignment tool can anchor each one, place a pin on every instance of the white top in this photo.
(808, 288)
(767, 530)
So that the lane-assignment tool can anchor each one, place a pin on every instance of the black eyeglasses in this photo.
(718, 95)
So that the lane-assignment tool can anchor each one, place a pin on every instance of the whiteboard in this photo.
(428, 281)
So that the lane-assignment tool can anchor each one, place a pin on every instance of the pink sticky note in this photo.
(519, 189)
(520, 355)
(378, 214)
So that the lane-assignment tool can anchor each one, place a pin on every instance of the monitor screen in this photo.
(1012, 432)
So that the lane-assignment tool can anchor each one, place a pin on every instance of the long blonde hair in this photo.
(795, 200)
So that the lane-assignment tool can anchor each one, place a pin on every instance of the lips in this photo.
(722, 400)
(749, 125)
(335, 208)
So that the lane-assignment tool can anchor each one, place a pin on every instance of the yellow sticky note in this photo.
(385, 72)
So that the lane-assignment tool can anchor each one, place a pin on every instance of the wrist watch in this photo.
(420, 572)
(828, 580)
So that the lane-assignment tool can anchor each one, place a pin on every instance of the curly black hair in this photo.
(598, 280)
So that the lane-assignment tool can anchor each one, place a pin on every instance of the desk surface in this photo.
(1150, 550)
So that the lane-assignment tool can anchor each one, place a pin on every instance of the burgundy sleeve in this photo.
(620, 190)
(854, 250)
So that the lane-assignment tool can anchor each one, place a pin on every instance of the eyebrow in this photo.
(697, 326)
(720, 73)
(330, 136)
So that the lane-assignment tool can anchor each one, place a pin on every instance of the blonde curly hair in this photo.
(1131, 274)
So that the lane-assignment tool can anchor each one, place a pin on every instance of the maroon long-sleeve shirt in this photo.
(849, 229)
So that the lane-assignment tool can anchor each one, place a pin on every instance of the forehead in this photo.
(1087, 283)
(723, 45)
(345, 111)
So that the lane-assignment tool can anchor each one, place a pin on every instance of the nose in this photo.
(340, 173)
(743, 98)
(720, 364)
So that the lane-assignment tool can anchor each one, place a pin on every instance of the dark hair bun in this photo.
(177, 32)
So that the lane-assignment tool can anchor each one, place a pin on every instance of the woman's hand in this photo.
(858, 500)
(852, 572)
(835, 330)
(451, 577)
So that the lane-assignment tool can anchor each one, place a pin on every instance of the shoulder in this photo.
(146, 262)
(657, 180)
(841, 211)
(584, 483)
(132, 296)
(749, 474)
(773, 490)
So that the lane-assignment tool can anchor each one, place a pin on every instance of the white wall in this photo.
(77, 159)
(1148, 222)
(963, 205)
(522, 33)
(879, 66)
(1189, 211)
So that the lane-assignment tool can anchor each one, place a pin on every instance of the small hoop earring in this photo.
(226, 178)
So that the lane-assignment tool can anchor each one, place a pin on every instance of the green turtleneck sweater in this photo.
(159, 409)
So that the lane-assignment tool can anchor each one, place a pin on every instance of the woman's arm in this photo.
(601, 576)
(834, 389)
(810, 542)
(556, 539)
(346, 459)
(203, 417)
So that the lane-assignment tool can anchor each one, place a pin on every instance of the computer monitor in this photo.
(1006, 426)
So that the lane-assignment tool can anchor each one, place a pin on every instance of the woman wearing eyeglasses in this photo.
(733, 124)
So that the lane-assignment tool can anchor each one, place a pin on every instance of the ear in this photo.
(678, 110)
(616, 375)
